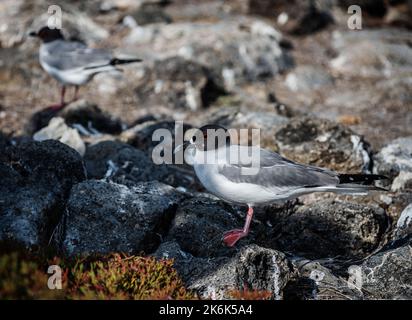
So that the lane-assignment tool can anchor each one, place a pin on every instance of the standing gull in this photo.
(254, 176)
(72, 62)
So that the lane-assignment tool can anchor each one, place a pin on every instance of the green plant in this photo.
(122, 277)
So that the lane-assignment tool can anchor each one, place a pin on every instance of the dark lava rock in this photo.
(210, 278)
(252, 268)
(388, 274)
(106, 217)
(141, 135)
(4, 141)
(36, 180)
(194, 270)
(188, 266)
(304, 17)
(323, 143)
(200, 223)
(150, 13)
(313, 281)
(127, 165)
(330, 228)
(263, 269)
(82, 112)
(39, 120)
(90, 116)
(310, 21)
(49, 162)
(178, 83)
(105, 158)
(374, 8)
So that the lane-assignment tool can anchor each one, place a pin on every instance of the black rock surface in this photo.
(36, 178)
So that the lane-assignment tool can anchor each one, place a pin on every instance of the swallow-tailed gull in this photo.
(254, 176)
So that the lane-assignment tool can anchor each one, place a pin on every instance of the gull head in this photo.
(206, 138)
(47, 34)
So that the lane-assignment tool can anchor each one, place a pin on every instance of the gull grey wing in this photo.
(269, 159)
(278, 172)
(65, 55)
(279, 176)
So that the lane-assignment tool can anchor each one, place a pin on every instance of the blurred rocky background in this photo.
(81, 182)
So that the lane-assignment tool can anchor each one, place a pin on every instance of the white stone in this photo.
(57, 129)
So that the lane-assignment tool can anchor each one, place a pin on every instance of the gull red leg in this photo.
(57, 107)
(76, 91)
(231, 237)
(62, 96)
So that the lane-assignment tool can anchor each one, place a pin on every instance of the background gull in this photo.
(72, 62)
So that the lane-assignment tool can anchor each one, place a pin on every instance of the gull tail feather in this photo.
(359, 183)
(360, 178)
(357, 188)
(115, 62)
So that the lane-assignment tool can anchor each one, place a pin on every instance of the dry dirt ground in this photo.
(378, 115)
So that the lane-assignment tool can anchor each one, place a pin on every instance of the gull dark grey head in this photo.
(210, 137)
(47, 35)
(207, 138)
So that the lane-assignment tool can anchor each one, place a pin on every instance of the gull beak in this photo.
(181, 147)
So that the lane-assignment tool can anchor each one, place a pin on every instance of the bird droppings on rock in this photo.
(253, 268)
(330, 228)
(395, 161)
(131, 166)
(106, 217)
(404, 223)
(263, 269)
(323, 143)
(313, 281)
(388, 274)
